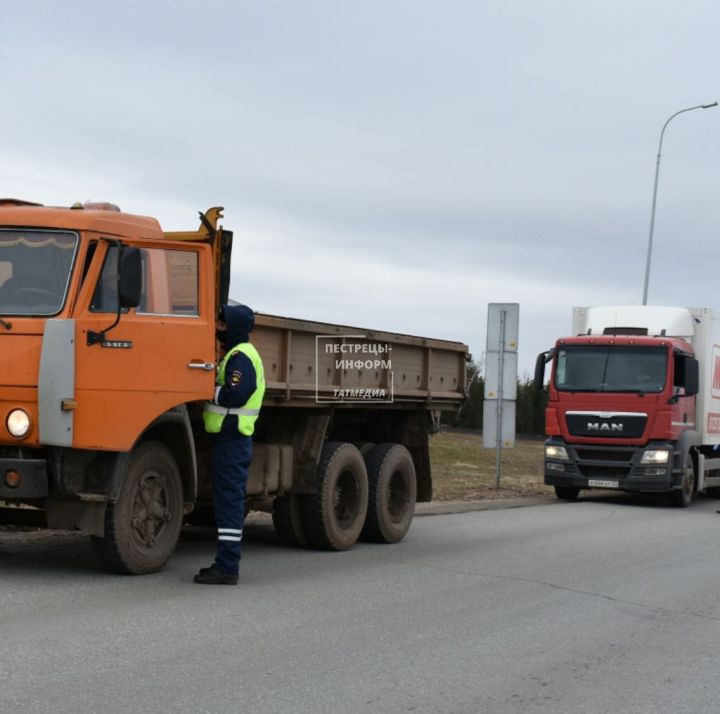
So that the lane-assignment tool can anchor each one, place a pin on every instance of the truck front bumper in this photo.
(32, 482)
(611, 467)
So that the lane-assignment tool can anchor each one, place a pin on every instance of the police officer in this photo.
(230, 421)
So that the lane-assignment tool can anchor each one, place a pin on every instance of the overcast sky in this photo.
(391, 164)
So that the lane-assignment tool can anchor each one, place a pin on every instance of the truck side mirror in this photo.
(539, 381)
(692, 377)
(130, 292)
(686, 374)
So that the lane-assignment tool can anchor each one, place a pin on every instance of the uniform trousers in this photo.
(231, 453)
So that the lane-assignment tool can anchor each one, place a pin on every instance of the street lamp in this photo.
(654, 200)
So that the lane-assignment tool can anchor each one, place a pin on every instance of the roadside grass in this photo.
(464, 470)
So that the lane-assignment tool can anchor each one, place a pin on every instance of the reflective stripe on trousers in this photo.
(230, 534)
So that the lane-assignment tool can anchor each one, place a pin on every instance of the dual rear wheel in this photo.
(368, 495)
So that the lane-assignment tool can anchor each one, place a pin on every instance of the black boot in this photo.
(213, 576)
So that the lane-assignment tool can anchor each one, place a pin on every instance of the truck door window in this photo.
(35, 270)
(684, 363)
(170, 285)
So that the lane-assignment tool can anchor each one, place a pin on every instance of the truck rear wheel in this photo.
(333, 516)
(683, 496)
(287, 519)
(142, 527)
(392, 493)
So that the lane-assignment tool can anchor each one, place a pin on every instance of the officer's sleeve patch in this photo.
(235, 377)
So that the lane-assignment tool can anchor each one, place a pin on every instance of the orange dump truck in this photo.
(107, 329)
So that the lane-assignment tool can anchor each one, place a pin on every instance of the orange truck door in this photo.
(160, 355)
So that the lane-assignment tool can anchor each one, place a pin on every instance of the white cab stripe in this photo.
(608, 415)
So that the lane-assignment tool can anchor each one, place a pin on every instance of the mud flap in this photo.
(88, 517)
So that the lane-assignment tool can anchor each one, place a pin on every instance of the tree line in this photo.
(529, 408)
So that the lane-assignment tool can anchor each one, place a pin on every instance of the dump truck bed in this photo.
(314, 363)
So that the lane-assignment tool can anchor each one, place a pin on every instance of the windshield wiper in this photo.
(7, 325)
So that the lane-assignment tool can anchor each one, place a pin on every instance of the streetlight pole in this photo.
(655, 188)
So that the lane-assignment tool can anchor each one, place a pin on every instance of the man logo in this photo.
(597, 426)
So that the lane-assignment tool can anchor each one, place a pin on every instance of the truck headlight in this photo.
(655, 456)
(18, 423)
(556, 453)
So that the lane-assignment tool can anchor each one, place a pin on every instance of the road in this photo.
(597, 606)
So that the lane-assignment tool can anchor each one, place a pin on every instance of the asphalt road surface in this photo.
(598, 606)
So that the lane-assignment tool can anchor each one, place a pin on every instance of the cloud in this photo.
(394, 165)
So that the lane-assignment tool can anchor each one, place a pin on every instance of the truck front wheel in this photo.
(142, 527)
(392, 493)
(683, 496)
(333, 516)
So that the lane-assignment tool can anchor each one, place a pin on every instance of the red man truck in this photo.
(634, 402)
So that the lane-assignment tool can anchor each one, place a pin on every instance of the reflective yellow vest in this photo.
(214, 414)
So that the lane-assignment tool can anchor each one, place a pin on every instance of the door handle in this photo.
(207, 366)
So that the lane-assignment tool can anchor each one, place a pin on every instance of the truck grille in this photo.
(599, 462)
(606, 425)
(602, 454)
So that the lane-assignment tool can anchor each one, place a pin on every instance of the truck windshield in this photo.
(34, 270)
(611, 368)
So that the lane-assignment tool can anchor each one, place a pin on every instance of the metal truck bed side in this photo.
(306, 360)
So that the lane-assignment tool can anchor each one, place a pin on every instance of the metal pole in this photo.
(654, 199)
(498, 432)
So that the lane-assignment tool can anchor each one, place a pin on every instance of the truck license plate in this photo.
(599, 483)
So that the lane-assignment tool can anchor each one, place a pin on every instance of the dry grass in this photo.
(463, 469)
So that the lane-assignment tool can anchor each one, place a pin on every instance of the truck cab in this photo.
(107, 332)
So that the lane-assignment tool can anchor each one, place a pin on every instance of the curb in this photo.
(442, 508)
